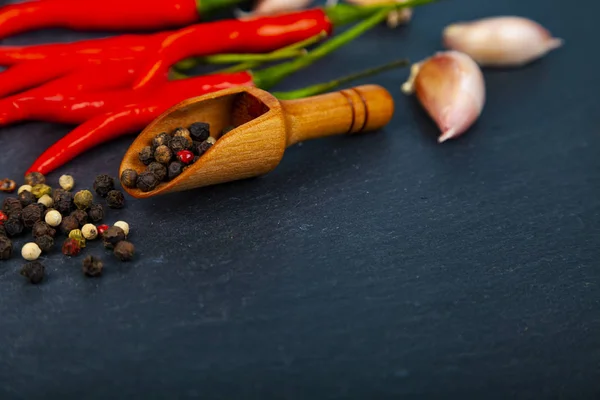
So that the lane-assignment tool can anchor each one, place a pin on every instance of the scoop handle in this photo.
(359, 109)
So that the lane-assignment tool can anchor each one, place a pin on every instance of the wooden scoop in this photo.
(263, 128)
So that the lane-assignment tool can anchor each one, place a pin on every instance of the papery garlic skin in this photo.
(395, 18)
(501, 41)
(270, 7)
(451, 88)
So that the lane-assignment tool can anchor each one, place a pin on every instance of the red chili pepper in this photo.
(104, 15)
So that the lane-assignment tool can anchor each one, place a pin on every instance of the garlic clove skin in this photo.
(270, 7)
(501, 41)
(451, 88)
(395, 18)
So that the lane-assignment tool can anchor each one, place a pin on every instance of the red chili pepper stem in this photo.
(328, 86)
(208, 6)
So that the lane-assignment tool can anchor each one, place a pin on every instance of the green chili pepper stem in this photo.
(261, 58)
(342, 14)
(208, 6)
(328, 86)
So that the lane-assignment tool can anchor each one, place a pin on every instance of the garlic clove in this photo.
(270, 7)
(451, 88)
(501, 41)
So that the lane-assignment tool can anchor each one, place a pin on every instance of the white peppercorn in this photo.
(53, 218)
(211, 140)
(31, 251)
(46, 200)
(123, 225)
(66, 182)
(89, 231)
(24, 188)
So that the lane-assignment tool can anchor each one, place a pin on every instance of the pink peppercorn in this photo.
(71, 247)
(3, 218)
(101, 229)
(185, 156)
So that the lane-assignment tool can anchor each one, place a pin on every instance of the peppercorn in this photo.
(40, 190)
(200, 131)
(78, 235)
(115, 199)
(66, 182)
(41, 206)
(2, 231)
(6, 248)
(13, 226)
(31, 251)
(45, 243)
(35, 178)
(83, 199)
(185, 156)
(124, 251)
(26, 198)
(129, 178)
(102, 229)
(203, 147)
(46, 201)
(112, 236)
(147, 181)
(103, 184)
(89, 232)
(163, 154)
(123, 225)
(34, 271)
(68, 224)
(92, 266)
(57, 194)
(31, 215)
(146, 155)
(53, 218)
(182, 132)
(226, 130)
(43, 229)
(12, 206)
(24, 188)
(158, 169)
(71, 247)
(3, 217)
(179, 143)
(96, 213)
(162, 139)
(175, 169)
(8, 185)
(81, 217)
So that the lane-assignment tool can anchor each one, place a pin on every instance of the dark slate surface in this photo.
(377, 266)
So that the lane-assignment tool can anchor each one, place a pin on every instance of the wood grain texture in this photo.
(263, 128)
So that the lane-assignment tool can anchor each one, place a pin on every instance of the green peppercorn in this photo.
(103, 184)
(112, 236)
(45, 243)
(115, 199)
(92, 266)
(26, 198)
(124, 251)
(83, 199)
(200, 131)
(158, 169)
(175, 169)
(6, 248)
(35, 178)
(96, 213)
(81, 217)
(163, 154)
(41, 228)
(31, 214)
(129, 178)
(12, 206)
(40, 190)
(162, 139)
(34, 272)
(179, 143)
(146, 155)
(77, 235)
(68, 224)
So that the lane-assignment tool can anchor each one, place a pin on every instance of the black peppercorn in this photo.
(203, 148)
(45, 243)
(129, 178)
(42, 207)
(31, 214)
(103, 184)
(35, 178)
(34, 271)
(12, 206)
(63, 201)
(162, 139)
(43, 229)
(2, 231)
(92, 266)
(57, 194)
(179, 143)
(6, 248)
(14, 226)
(112, 236)
(163, 154)
(26, 198)
(195, 160)
(182, 132)
(146, 155)
(200, 131)
(115, 199)
(96, 213)
(158, 169)
(124, 251)
(81, 217)
(175, 169)
(226, 130)
(68, 224)
(147, 181)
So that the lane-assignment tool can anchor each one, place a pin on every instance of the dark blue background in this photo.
(376, 266)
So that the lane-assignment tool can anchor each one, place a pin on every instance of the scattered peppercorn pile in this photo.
(168, 156)
(45, 212)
